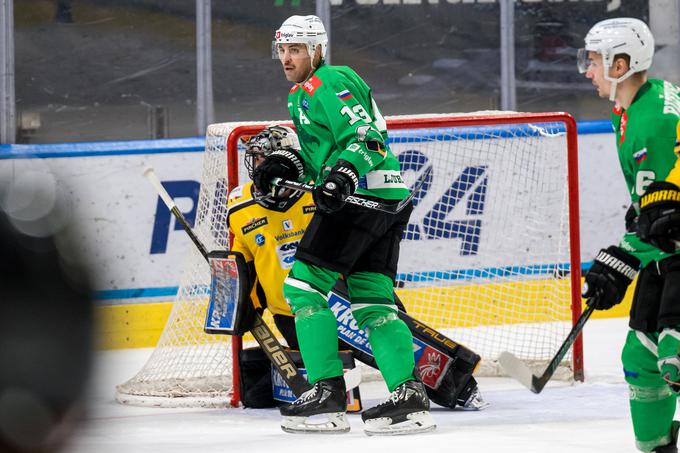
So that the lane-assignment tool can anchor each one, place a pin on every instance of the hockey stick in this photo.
(390, 208)
(521, 372)
(262, 333)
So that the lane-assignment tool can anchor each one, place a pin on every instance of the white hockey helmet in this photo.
(612, 37)
(308, 30)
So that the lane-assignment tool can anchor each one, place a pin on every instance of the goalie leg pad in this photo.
(255, 379)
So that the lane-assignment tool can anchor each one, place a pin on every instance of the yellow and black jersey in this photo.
(267, 233)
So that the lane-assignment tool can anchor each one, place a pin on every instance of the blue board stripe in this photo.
(197, 144)
(88, 149)
(425, 276)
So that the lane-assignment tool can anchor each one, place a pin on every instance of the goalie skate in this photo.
(475, 402)
(406, 411)
(319, 410)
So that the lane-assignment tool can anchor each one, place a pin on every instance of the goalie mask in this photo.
(261, 145)
(613, 37)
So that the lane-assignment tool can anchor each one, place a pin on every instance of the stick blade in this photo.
(518, 370)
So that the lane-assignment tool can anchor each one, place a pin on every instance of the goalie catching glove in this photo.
(608, 278)
(659, 219)
(340, 183)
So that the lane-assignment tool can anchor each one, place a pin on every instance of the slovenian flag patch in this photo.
(640, 155)
(344, 95)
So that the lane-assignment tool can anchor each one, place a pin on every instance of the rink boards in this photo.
(136, 250)
(140, 325)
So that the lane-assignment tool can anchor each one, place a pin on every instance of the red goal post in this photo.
(491, 257)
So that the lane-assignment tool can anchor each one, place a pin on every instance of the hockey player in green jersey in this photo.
(646, 119)
(345, 152)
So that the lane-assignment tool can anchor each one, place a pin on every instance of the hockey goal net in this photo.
(490, 258)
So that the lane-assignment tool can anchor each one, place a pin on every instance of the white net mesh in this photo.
(485, 259)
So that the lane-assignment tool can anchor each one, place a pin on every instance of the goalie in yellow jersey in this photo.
(266, 230)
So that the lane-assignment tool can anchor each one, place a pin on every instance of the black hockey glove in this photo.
(609, 276)
(340, 183)
(285, 164)
(659, 219)
(632, 219)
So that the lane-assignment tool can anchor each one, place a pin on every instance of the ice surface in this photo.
(589, 417)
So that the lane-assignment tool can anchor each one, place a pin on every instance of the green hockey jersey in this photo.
(648, 143)
(336, 118)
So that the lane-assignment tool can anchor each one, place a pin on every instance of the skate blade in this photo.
(332, 423)
(418, 422)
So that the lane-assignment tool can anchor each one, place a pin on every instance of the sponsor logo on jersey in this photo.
(671, 104)
(344, 95)
(312, 84)
(309, 209)
(292, 89)
(393, 179)
(286, 253)
(259, 239)
(283, 236)
(254, 224)
(640, 155)
(305, 104)
(385, 179)
(287, 224)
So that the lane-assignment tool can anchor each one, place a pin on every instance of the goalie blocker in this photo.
(444, 366)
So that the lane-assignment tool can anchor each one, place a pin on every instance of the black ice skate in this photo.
(327, 399)
(406, 411)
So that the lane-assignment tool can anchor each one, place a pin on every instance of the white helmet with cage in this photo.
(613, 37)
(308, 30)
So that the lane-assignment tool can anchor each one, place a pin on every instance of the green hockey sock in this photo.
(305, 290)
(652, 410)
(392, 345)
(318, 337)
